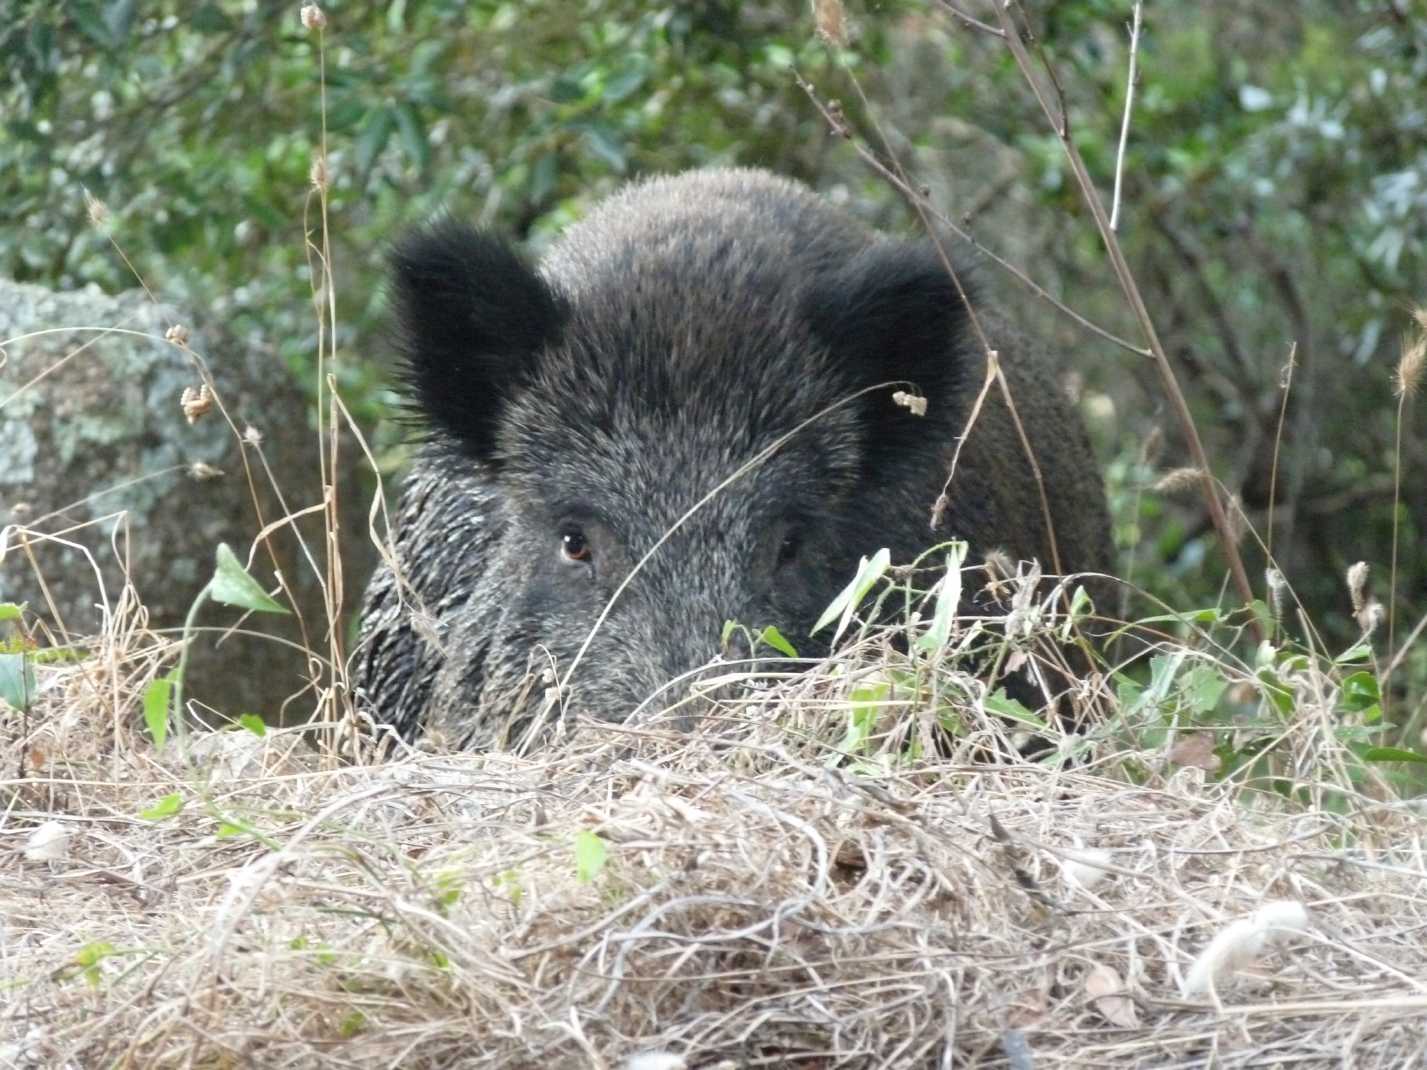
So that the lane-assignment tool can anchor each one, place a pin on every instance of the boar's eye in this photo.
(789, 547)
(574, 546)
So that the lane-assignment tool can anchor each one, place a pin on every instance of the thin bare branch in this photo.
(1130, 80)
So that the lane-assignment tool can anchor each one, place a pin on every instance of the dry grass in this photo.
(754, 907)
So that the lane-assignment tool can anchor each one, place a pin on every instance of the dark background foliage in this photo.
(1275, 198)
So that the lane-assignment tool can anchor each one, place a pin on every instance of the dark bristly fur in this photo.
(684, 326)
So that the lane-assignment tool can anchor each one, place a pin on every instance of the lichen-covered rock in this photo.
(95, 450)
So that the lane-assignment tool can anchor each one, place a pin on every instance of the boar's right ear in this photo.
(893, 314)
(472, 317)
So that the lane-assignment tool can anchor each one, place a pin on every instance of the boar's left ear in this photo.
(472, 318)
(893, 313)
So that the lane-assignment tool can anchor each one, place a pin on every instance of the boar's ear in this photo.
(472, 317)
(893, 313)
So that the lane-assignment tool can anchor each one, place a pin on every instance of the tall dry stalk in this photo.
(1406, 382)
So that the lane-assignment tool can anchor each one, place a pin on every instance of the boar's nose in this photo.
(690, 683)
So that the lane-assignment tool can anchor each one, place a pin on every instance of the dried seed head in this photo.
(999, 569)
(998, 564)
(913, 403)
(1370, 618)
(97, 209)
(1285, 374)
(1357, 585)
(1235, 517)
(252, 436)
(202, 471)
(1277, 585)
(177, 334)
(831, 20)
(318, 174)
(1179, 481)
(196, 402)
(313, 17)
(1154, 442)
(1411, 366)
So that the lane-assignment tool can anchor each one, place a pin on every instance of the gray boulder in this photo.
(95, 449)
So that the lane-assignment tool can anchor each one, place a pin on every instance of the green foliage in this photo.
(771, 636)
(591, 853)
(17, 670)
(998, 703)
(232, 585)
(865, 707)
(1255, 713)
(197, 124)
(841, 608)
(158, 696)
(948, 600)
(164, 808)
(508, 881)
(87, 959)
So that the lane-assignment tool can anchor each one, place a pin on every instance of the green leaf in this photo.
(1275, 690)
(774, 638)
(1001, 705)
(1393, 754)
(1202, 686)
(543, 176)
(508, 880)
(1360, 691)
(11, 611)
(1357, 652)
(566, 90)
(591, 853)
(623, 84)
(604, 144)
(1127, 691)
(413, 138)
(90, 22)
(232, 585)
(1210, 615)
(210, 19)
(862, 720)
(371, 138)
(164, 809)
(948, 600)
(158, 697)
(254, 724)
(851, 596)
(1080, 607)
(119, 19)
(17, 680)
(88, 958)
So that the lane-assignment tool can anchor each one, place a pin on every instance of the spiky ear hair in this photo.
(472, 318)
(893, 314)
